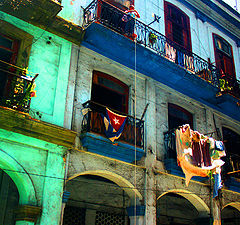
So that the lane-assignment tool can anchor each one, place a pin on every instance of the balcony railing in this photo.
(112, 17)
(93, 122)
(16, 87)
(232, 161)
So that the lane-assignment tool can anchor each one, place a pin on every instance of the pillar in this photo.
(136, 214)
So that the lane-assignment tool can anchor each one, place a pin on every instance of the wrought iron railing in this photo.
(170, 145)
(93, 122)
(16, 87)
(101, 12)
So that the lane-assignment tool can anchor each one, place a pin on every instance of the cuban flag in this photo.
(114, 124)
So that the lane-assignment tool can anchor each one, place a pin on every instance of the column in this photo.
(136, 214)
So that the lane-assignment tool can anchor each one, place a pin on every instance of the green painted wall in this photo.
(51, 62)
(37, 169)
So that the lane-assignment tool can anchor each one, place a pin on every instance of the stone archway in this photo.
(99, 197)
(119, 180)
(231, 213)
(181, 207)
(27, 193)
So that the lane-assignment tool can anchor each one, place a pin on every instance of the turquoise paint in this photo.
(43, 162)
(24, 223)
(51, 62)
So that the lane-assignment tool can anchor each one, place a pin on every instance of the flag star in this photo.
(116, 121)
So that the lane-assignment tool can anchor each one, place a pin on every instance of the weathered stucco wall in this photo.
(153, 183)
(37, 168)
(51, 61)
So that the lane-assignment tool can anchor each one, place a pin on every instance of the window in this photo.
(223, 56)
(232, 142)
(15, 46)
(177, 26)
(8, 53)
(178, 116)
(110, 92)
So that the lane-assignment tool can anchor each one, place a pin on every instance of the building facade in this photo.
(177, 64)
(34, 65)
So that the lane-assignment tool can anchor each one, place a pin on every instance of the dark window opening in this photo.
(8, 54)
(110, 92)
(177, 26)
(178, 116)
(232, 142)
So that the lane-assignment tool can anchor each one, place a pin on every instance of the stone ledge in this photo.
(22, 123)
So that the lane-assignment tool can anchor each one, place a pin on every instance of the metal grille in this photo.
(74, 216)
(104, 218)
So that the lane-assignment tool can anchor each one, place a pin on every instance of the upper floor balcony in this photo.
(16, 87)
(94, 139)
(182, 70)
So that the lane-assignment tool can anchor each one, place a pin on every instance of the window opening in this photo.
(232, 142)
(177, 116)
(177, 26)
(8, 53)
(110, 92)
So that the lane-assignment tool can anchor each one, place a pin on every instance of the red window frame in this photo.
(224, 61)
(13, 50)
(185, 25)
(125, 93)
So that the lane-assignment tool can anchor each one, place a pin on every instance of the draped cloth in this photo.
(188, 141)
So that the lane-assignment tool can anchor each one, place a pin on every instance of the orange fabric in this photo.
(190, 170)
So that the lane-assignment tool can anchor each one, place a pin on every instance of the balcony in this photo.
(103, 13)
(16, 87)
(93, 135)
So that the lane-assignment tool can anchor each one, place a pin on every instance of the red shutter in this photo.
(168, 22)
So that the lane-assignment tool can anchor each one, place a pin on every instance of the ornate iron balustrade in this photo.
(112, 17)
(93, 122)
(16, 87)
(170, 145)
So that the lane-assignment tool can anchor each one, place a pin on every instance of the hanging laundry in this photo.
(183, 139)
(199, 155)
(170, 52)
(217, 184)
(189, 62)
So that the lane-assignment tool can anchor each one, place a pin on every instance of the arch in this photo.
(120, 181)
(196, 201)
(236, 205)
(10, 165)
